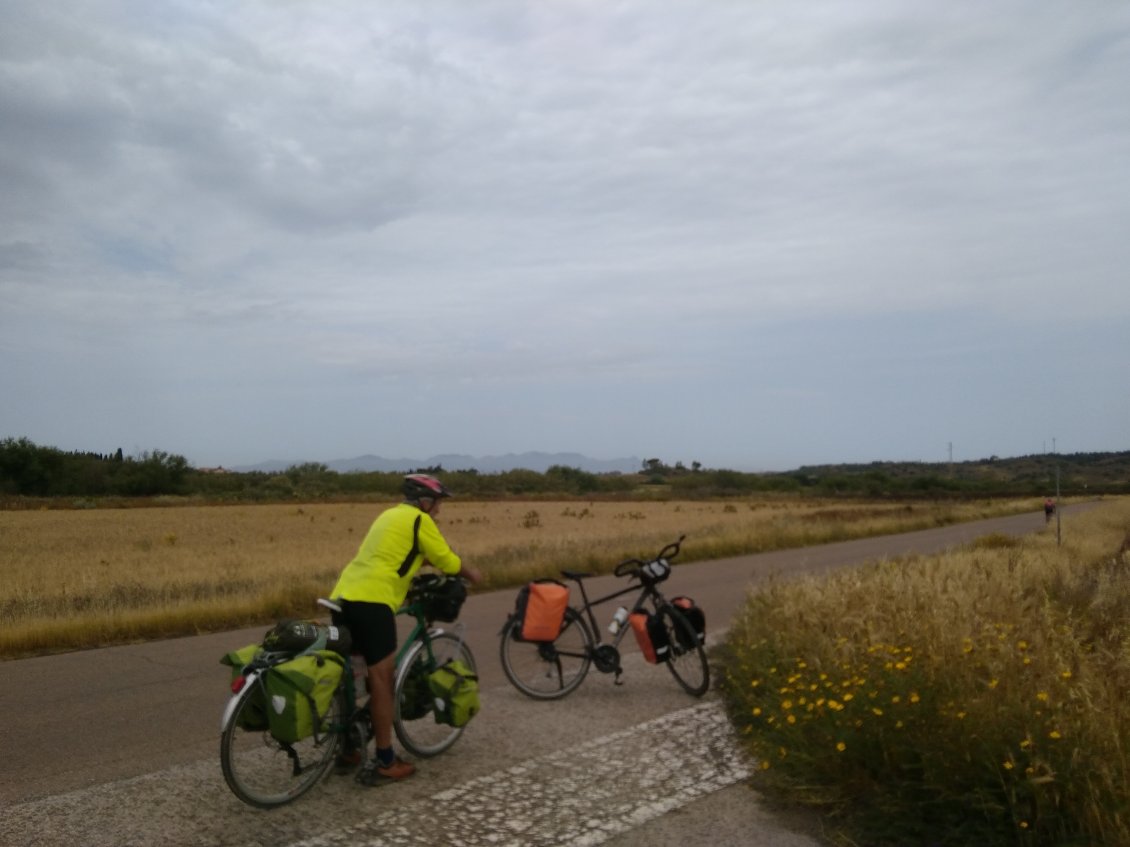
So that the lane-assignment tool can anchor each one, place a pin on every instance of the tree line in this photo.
(28, 470)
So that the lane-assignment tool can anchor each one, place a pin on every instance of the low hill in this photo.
(1076, 472)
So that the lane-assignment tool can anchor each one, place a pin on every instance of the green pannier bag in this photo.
(237, 660)
(456, 690)
(253, 718)
(300, 693)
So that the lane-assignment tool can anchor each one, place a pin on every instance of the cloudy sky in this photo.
(755, 234)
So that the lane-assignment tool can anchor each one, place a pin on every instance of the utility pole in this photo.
(1058, 533)
(951, 458)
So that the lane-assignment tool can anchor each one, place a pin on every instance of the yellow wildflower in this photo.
(841, 746)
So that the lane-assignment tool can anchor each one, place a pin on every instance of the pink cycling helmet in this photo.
(420, 485)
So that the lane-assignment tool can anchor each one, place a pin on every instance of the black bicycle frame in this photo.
(645, 592)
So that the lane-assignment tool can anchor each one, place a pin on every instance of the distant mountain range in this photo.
(537, 462)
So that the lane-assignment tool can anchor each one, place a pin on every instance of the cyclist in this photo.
(370, 590)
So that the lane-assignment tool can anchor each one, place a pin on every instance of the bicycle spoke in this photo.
(687, 661)
(548, 670)
(264, 772)
(414, 718)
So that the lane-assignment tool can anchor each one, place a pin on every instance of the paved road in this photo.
(119, 746)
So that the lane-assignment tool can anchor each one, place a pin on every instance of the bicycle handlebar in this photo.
(632, 567)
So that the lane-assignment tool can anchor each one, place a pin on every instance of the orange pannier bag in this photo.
(651, 635)
(541, 609)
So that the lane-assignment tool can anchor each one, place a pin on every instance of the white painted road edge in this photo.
(579, 797)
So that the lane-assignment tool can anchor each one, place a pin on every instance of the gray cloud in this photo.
(557, 207)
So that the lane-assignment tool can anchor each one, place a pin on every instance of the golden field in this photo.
(85, 578)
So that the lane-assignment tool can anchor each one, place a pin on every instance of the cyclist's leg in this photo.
(380, 703)
(373, 627)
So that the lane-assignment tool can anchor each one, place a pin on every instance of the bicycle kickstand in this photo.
(619, 671)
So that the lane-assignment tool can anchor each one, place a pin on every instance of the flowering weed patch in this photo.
(976, 697)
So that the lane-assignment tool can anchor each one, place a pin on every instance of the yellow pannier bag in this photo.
(300, 693)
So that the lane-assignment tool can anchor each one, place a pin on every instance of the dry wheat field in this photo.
(83, 578)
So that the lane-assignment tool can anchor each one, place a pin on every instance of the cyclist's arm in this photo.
(439, 555)
(471, 573)
(436, 551)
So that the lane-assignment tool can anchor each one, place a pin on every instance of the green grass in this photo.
(976, 697)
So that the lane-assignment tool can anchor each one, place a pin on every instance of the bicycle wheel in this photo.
(414, 717)
(687, 661)
(547, 670)
(263, 772)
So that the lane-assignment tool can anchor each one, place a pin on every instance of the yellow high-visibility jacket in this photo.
(400, 540)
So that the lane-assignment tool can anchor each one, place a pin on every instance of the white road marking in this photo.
(581, 796)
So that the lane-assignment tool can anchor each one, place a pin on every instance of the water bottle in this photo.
(618, 620)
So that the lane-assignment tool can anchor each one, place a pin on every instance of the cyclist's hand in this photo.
(472, 574)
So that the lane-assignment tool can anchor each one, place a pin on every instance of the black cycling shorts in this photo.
(372, 627)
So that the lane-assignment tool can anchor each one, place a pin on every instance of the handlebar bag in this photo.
(541, 609)
(695, 617)
(300, 692)
(439, 595)
(456, 690)
(655, 572)
(651, 635)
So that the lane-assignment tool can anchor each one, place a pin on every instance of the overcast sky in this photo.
(754, 234)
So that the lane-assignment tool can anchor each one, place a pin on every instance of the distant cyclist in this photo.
(370, 590)
(1049, 509)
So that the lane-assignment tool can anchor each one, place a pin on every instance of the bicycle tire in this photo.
(548, 670)
(687, 659)
(414, 718)
(259, 770)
